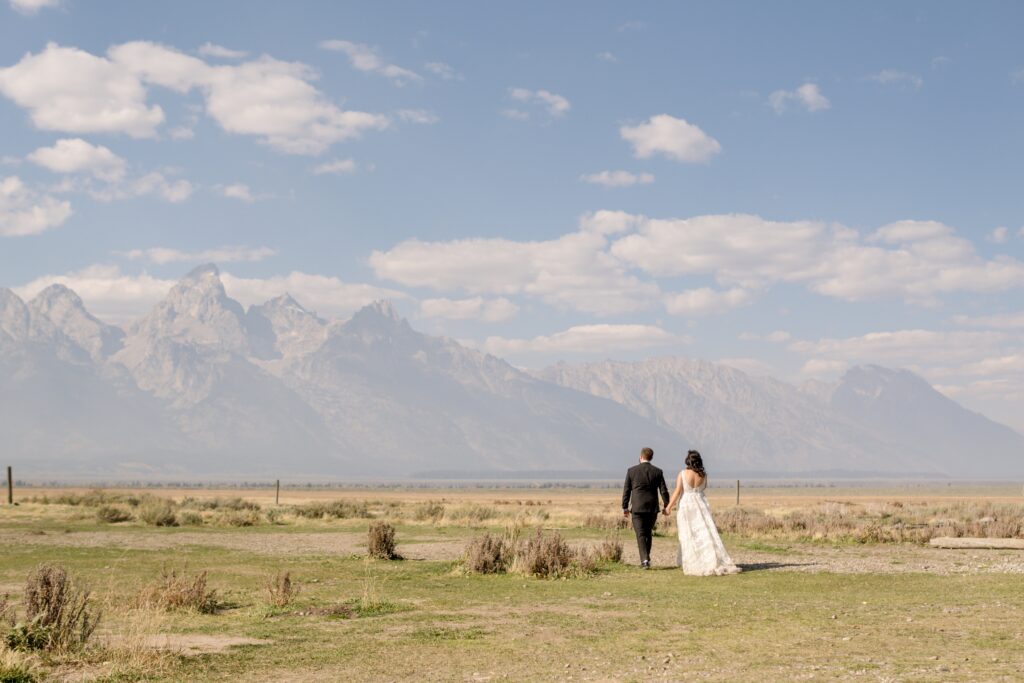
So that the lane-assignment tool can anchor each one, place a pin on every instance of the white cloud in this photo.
(164, 255)
(421, 116)
(120, 298)
(238, 191)
(618, 178)
(573, 271)
(153, 183)
(674, 138)
(70, 90)
(555, 105)
(895, 77)
(75, 155)
(475, 308)
(631, 26)
(221, 52)
(181, 133)
(940, 61)
(32, 6)
(807, 96)
(365, 58)
(588, 339)
(336, 166)
(607, 57)
(26, 212)
(67, 89)
(819, 367)
(443, 71)
(912, 348)
(999, 235)
(705, 300)
(997, 321)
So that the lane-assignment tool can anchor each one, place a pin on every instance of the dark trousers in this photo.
(643, 525)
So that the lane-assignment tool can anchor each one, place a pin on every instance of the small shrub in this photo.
(549, 556)
(472, 514)
(429, 511)
(16, 667)
(174, 592)
(190, 518)
(239, 518)
(488, 554)
(109, 514)
(59, 616)
(604, 522)
(610, 550)
(381, 541)
(274, 516)
(282, 589)
(236, 504)
(158, 513)
(338, 509)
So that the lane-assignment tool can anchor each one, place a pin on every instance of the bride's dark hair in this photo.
(696, 463)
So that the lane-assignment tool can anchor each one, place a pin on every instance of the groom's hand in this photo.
(625, 514)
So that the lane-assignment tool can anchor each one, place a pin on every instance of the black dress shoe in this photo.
(645, 565)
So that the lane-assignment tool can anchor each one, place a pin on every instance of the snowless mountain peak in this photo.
(64, 309)
(14, 315)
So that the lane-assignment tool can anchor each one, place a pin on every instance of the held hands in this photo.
(625, 514)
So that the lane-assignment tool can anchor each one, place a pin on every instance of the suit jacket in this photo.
(643, 483)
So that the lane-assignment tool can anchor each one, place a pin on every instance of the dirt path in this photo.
(843, 559)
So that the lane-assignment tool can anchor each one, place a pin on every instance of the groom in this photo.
(643, 483)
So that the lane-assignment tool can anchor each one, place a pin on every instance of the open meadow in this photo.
(219, 584)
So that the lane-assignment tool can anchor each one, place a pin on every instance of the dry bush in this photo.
(430, 511)
(110, 514)
(158, 513)
(18, 667)
(172, 591)
(190, 518)
(135, 651)
(381, 541)
(236, 504)
(59, 615)
(471, 514)
(338, 509)
(488, 554)
(549, 556)
(239, 518)
(6, 611)
(282, 590)
(610, 550)
(606, 522)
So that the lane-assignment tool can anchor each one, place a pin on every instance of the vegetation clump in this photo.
(111, 514)
(59, 616)
(173, 592)
(338, 509)
(282, 589)
(158, 513)
(381, 541)
(541, 555)
(488, 554)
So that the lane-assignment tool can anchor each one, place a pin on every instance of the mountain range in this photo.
(202, 388)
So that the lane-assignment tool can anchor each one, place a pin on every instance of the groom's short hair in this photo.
(646, 453)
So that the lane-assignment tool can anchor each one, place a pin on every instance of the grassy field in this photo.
(831, 608)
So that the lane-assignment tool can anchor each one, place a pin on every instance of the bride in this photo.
(701, 552)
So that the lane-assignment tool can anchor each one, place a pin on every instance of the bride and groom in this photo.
(701, 551)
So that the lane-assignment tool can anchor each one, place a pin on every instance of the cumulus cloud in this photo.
(618, 178)
(808, 96)
(586, 339)
(164, 255)
(705, 300)
(239, 191)
(615, 261)
(365, 58)
(155, 183)
(221, 52)
(336, 166)
(573, 271)
(475, 308)
(674, 138)
(997, 321)
(120, 298)
(555, 105)
(67, 89)
(895, 77)
(24, 211)
(32, 6)
(75, 155)
(912, 348)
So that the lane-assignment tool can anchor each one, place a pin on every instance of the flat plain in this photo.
(838, 583)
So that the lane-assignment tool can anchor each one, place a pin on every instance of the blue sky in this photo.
(789, 187)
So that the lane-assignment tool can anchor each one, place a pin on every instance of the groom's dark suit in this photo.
(643, 484)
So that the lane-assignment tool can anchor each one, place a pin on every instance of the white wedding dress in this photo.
(701, 551)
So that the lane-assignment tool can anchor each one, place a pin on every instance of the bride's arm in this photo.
(675, 494)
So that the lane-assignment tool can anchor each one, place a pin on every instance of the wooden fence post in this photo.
(10, 486)
(737, 491)
(277, 493)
